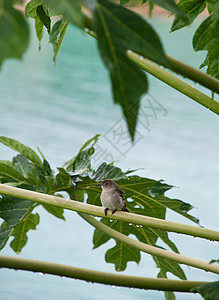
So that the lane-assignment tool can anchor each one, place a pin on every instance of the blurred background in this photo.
(59, 108)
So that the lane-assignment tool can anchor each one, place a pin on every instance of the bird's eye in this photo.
(106, 183)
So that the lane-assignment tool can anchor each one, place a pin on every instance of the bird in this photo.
(112, 197)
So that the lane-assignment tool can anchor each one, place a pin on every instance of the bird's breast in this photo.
(111, 200)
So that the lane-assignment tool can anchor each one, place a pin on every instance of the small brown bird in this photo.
(112, 196)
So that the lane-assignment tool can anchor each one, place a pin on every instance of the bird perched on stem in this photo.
(112, 196)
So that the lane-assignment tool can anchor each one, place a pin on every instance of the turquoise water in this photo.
(58, 109)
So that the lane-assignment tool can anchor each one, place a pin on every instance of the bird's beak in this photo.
(99, 184)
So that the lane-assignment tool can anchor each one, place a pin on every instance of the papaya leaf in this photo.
(57, 36)
(22, 165)
(10, 173)
(21, 229)
(106, 171)
(171, 6)
(122, 2)
(30, 9)
(44, 18)
(71, 10)
(12, 211)
(61, 182)
(14, 32)
(68, 164)
(206, 37)
(192, 9)
(81, 165)
(118, 30)
(31, 12)
(144, 196)
(120, 254)
(54, 210)
(166, 265)
(208, 291)
(22, 149)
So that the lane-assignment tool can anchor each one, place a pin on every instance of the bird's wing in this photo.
(121, 193)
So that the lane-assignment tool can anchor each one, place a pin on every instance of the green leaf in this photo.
(68, 165)
(61, 182)
(120, 254)
(12, 210)
(170, 5)
(20, 231)
(206, 37)
(22, 165)
(145, 235)
(57, 35)
(10, 173)
(22, 149)
(71, 10)
(31, 12)
(144, 196)
(14, 32)
(191, 8)
(118, 30)
(106, 171)
(166, 265)
(44, 18)
(123, 2)
(209, 291)
(31, 7)
(58, 212)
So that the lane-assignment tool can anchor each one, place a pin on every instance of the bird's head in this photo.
(108, 184)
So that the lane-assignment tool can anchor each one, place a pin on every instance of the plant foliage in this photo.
(144, 196)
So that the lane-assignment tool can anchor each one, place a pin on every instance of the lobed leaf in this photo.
(208, 291)
(21, 229)
(44, 18)
(57, 35)
(22, 149)
(14, 32)
(7, 171)
(31, 12)
(206, 37)
(170, 5)
(120, 254)
(58, 212)
(12, 211)
(118, 30)
(191, 8)
(71, 10)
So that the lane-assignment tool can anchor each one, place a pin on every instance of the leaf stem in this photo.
(98, 211)
(177, 66)
(194, 74)
(182, 259)
(97, 276)
(174, 81)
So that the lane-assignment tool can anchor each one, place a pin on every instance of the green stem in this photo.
(182, 259)
(98, 211)
(174, 81)
(177, 66)
(194, 74)
(97, 276)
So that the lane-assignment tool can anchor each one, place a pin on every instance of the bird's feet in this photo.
(105, 211)
(114, 211)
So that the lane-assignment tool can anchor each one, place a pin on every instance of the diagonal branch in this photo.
(174, 81)
(177, 66)
(97, 276)
(182, 259)
(98, 211)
